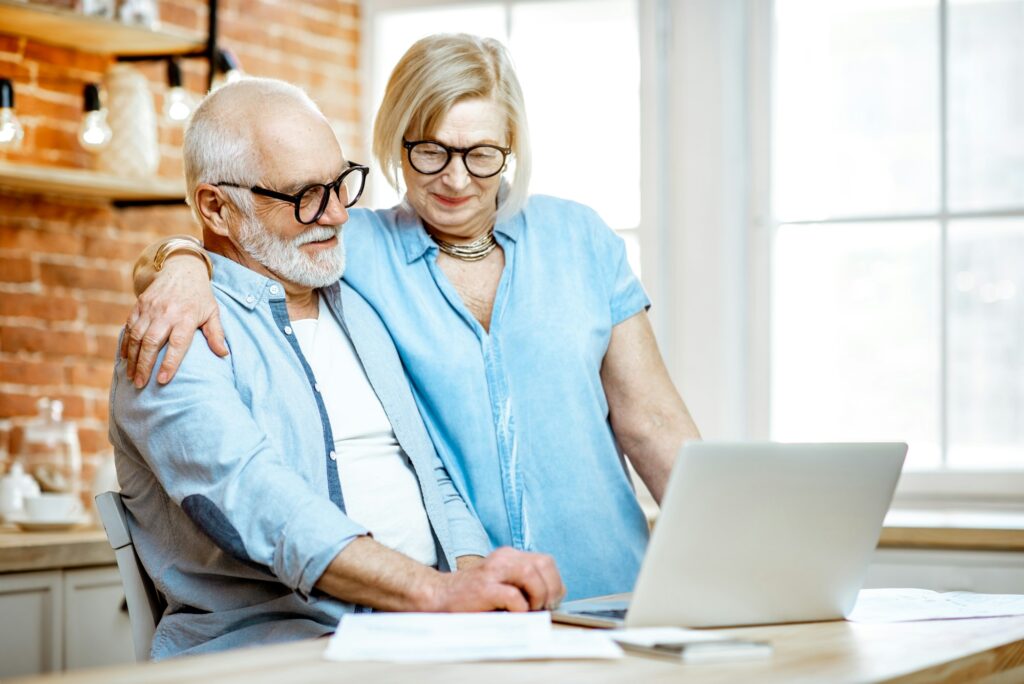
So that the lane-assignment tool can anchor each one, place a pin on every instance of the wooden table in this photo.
(946, 651)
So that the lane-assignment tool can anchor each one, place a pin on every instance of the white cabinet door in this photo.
(30, 623)
(96, 631)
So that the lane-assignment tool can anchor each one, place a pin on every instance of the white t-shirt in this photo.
(378, 485)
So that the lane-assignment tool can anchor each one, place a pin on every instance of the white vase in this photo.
(134, 149)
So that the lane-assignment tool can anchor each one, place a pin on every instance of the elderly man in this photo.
(275, 489)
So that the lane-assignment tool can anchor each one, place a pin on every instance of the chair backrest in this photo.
(145, 605)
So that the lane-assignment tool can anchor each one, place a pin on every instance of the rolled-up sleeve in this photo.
(203, 445)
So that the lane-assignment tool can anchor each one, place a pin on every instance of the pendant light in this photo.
(227, 67)
(11, 132)
(94, 133)
(178, 102)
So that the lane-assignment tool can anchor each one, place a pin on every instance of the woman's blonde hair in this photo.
(436, 73)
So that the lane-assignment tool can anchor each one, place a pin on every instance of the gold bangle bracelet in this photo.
(182, 244)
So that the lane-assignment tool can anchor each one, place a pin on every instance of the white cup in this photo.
(50, 507)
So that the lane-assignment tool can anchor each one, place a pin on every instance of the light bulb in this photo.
(94, 133)
(177, 104)
(227, 69)
(11, 132)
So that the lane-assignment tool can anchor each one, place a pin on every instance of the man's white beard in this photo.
(284, 258)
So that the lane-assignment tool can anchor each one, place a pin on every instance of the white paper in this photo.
(445, 637)
(905, 605)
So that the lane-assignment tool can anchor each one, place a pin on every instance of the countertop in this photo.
(925, 529)
(26, 551)
(979, 530)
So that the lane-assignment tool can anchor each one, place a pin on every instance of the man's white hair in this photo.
(220, 143)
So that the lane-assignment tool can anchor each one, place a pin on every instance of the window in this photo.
(582, 98)
(897, 247)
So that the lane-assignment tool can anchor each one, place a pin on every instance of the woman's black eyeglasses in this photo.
(429, 157)
(311, 201)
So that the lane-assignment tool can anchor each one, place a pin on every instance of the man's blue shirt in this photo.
(229, 479)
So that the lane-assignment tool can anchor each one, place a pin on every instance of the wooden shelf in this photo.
(90, 34)
(82, 183)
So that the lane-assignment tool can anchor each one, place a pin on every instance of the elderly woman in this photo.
(520, 324)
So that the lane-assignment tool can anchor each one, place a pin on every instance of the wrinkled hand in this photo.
(507, 579)
(177, 303)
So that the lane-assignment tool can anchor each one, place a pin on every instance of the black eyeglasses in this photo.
(311, 201)
(429, 157)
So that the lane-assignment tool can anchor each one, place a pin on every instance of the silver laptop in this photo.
(757, 533)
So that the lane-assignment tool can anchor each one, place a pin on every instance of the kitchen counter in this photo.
(977, 530)
(934, 529)
(26, 551)
(950, 529)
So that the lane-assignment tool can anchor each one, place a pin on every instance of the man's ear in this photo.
(213, 207)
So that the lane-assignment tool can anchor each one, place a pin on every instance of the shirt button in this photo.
(334, 455)
(274, 289)
(316, 386)
(249, 299)
(287, 330)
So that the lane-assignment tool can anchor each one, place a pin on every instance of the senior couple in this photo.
(383, 398)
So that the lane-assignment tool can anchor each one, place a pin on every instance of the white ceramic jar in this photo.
(134, 148)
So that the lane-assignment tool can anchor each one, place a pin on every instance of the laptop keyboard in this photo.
(614, 614)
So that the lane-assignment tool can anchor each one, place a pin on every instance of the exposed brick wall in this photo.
(65, 264)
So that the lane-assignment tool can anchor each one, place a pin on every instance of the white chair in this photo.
(145, 605)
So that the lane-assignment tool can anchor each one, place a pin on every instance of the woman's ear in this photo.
(213, 208)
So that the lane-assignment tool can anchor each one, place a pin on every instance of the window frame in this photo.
(737, 407)
(936, 487)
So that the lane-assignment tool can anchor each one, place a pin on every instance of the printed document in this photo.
(446, 637)
(905, 605)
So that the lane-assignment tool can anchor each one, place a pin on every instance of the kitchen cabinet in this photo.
(96, 629)
(62, 620)
(60, 602)
(31, 622)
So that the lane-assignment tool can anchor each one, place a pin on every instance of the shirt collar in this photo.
(247, 287)
(417, 242)
(411, 232)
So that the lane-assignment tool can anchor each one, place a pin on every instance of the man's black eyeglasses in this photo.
(311, 201)
(429, 157)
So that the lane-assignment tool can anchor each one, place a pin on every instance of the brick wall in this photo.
(65, 264)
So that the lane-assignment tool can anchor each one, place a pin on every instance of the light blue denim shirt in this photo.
(519, 414)
(229, 479)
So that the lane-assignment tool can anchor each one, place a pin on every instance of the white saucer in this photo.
(26, 525)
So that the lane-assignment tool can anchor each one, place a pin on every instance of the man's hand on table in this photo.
(507, 579)
(368, 573)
